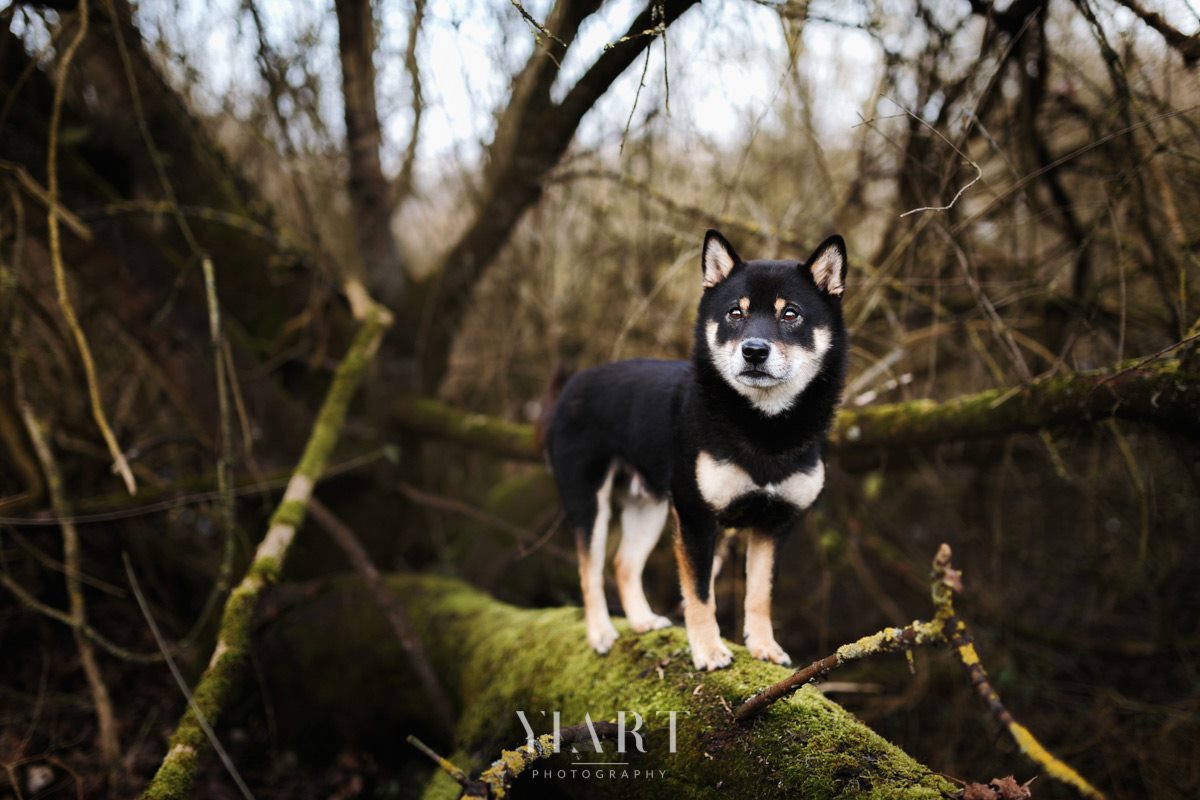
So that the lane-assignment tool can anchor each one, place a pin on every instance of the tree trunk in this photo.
(495, 659)
(370, 192)
(532, 135)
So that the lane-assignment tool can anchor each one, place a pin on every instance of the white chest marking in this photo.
(722, 482)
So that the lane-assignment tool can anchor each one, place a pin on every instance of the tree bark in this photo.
(496, 659)
(371, 198)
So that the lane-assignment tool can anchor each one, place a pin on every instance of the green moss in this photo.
(290, 512)
(495, 659)
(174, 779)
(267, 568)
(523, 498)
(434, 418)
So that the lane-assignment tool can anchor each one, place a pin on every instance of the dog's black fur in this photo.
(642, 426)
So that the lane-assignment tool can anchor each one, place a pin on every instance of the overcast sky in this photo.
(726, 59)
(726, 65)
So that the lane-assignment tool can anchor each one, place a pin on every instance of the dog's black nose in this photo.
(755, 351)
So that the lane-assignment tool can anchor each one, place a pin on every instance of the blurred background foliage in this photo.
(512, 238)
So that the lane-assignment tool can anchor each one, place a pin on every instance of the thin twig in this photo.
(257, 487)
(182, 684)
(404, 179)
(537, 26)
(450, 504)
(495, 781)
(39, 193)
(110, 746)
(1020, 183)
(226, 504)
(636, 96)
(978, 170)
(56, 259)
(392, 608)
(447, 766)
(112, 648)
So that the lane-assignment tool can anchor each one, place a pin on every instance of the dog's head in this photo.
(768, 327)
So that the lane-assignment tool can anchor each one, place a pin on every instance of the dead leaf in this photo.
(1009, 789)
(977, 791)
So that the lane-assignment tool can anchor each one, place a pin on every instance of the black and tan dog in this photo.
(732, 438)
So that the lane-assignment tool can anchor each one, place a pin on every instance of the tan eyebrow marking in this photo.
(744, 304)
(779, 304)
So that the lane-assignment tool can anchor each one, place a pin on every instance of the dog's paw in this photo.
(602, 637)
(716, 656)
(768, 650)
(653, 622)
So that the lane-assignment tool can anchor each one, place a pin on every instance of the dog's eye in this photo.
(736, 313)
(790, 314)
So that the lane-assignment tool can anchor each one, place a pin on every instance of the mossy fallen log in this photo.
(1164, 393)
(336, 652)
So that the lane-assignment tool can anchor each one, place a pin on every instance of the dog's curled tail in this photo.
(541, 428)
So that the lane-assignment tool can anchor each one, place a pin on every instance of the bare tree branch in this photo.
(1188, 46)
(532, 135)
(371, 197)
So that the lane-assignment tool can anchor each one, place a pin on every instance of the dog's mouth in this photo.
(755, 376)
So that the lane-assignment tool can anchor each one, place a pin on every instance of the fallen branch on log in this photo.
(1163, 393)
(945, 628)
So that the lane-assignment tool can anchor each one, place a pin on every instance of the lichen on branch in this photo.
(945, 628)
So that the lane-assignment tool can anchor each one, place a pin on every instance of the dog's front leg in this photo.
(695, 536)
(760, 574)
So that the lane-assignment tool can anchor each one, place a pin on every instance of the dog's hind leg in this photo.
(760, 574)
(642, 520)
(591, 549)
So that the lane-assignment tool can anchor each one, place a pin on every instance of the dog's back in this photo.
(619, 415)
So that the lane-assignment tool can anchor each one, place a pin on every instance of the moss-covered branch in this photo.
(476, 431)
(218, 682)
(1164, 393)
(1160, 393)
(496, 659)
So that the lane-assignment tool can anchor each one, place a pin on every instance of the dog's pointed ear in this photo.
(717, 259)
(828, 266)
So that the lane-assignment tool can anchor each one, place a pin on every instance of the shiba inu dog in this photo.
(732, 438)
